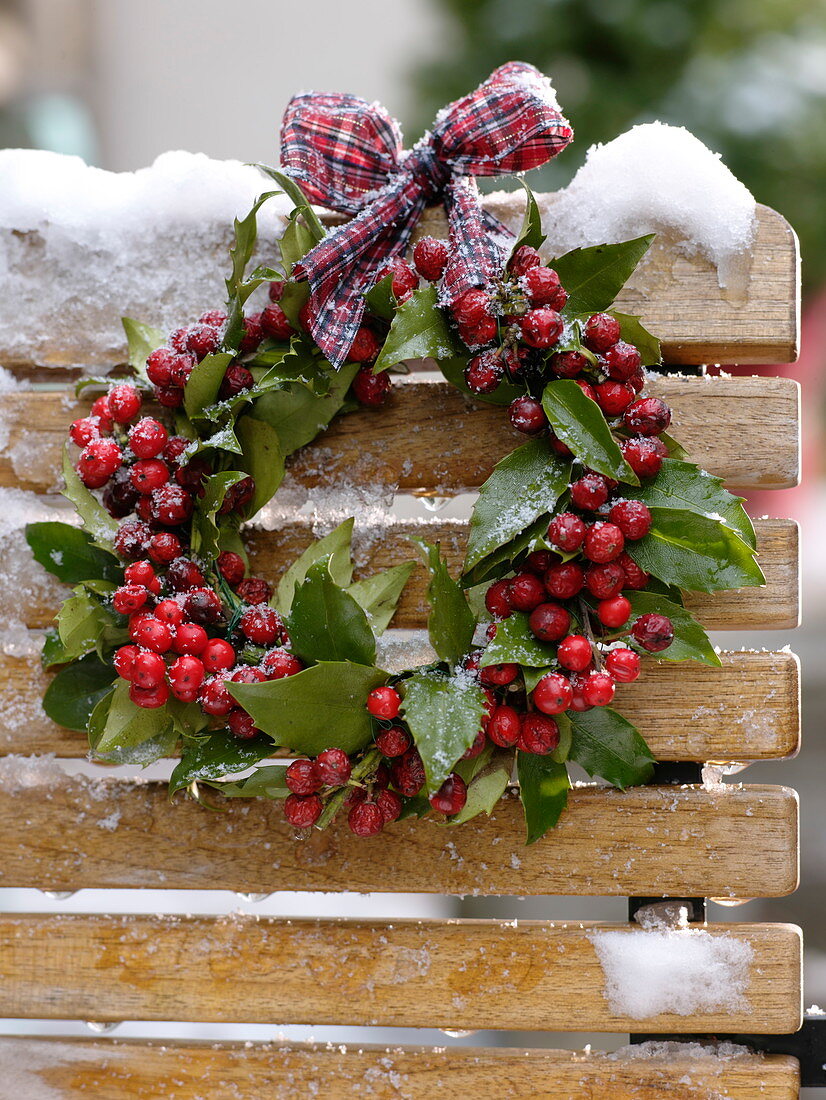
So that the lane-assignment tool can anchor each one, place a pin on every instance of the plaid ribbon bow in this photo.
(347, 155)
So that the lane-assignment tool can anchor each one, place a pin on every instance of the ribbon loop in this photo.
(347, 154)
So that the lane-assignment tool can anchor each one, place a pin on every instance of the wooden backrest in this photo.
(60, 833)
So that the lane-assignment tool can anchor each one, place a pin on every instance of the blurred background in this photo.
(118, 83)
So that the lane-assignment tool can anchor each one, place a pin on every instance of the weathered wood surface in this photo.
(466, 974)
(747, 710)
(725, 841)
(430, 438)
(134, 1070)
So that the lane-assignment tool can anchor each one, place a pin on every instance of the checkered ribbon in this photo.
(347, 155)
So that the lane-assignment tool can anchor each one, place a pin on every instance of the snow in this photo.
(81, 247)
(682, 971)
(654, 178)
(23, 773)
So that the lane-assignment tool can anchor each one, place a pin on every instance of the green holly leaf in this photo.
(633, 332)
(453, 370)
(262, 458)
(501, 561)
(141, 341)
(485, 787)
(696, 553)
(126, 725)
(419, 330)
(594, 276)
(80, 622)
(379, 595)
(295, 242)
(543, 788)
(217, 755)
(335, 547)
(54, 652)
(581, 425)
(451, 622)
(201, 389)
(523, 487)
(263, 783)
(515, 643)
(97, 521)
(76, 690)
(319, 708)
(685, 485)
(530, 232)
(292, 190)
(691, 643)
(380, 299)
(326, 623)
(444, 714)
(606, 744)
(70, 554)
(205, 531)
(239, 289)
(297, 413)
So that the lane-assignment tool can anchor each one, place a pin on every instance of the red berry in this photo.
(242, 725)
(171, 505)
(192, 475)
(624, 665)
(621, 362)
(215, 699)
(539, 562)
(451, 796)
(472, 309)
(237, 378)
(541, 328)
(601, 332)
(141, 572)
(567, 532)
(613, 397)
(253, 334)
(183, 575)
(603, 542)
(217, 655)
(564, 581)
(83, 431)
(148, 438)
(279, 663)
(484, 372)
(149, 474)
(98, 461)
(276, 290)
(164, 547)
(598, 689)
(478, 335)
(365, 819)
(653, 632)
(215, 317)
(371, 389)
(430, 258)
(151, 633)
(526, 592)
(203, 606)
(366, 346)
(648, 416)
(248, 675)
(124, 403)
(632, 517)
(498, 675)
(254, 590)
(504, 727)
(478, 746)
(186, 675)
(637, 382)
(390, 805)
(302, 812)
(171, 397)
(231, 567)
(549, 622)
(589, 492)
(190, 638)
(407, 773)
(553, 694)
(262, 625)
(635, 578)
(605, 580)
(275, 323)
(568, 364)
(131, 539)
(614, 612)
(159, 366)
(203, 340)
(306, 316)
(542, 287)
(644, 456)
(124, 660)
(497, 600)
(170, 611)
(129, 598)
(334, 767)
(149, 698)
(539, 734)
(405, 279)
(527, 415)
(574, 652)
(586, 388)
(393, 742)
(524, 259)
(384, 702)
(558, 446)
(302, 777)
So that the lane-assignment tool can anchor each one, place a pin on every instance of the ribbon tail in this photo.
(475, 257)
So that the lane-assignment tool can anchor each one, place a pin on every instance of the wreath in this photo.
(581, 541)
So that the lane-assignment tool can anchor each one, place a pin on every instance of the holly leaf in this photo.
(515, 643)
(217, 755)
(451, 622)
(606, 744)
(297, 414)
(335, 547)
(485, 788)
(141, 341)
(319, 708)
(380, 299)
(239, 289)
(76, 690)
(261, 457)
(80, 622)
(581, 425)
(54, 652)
(594, 276)
(444, 714)
(379, 595)
(70, 554)
(419, 330)
(97, 521)
(524, 485)
(696, 553)
(292, 190)
(691, 643)
(201, 389)
(633, 332)
(543, 788)
(685, 485)
(326, 623)
(501, 561)
(205, 530)
(126, 725)
(263, 783)
(531, 231)
(295, 242)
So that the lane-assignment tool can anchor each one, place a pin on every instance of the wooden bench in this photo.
(684, 841)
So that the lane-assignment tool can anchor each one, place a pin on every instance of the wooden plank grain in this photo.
(749, 709)
(725, 841)
(431, 438)
(134, 1070)
(464, 974)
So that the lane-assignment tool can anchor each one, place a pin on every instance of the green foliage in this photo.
(419, 330)
(379, 594)
(76, 690)
(118, 723)
(141, 341)
(201, 389)
(101, 526)
(262, 458)
(486, 779)
(684, 485)
(297, 413)
(606, 744)
(580, 424)
(515, 643)
(335, 547)
(530, 232)
(594, 276)
(543, 788)
(444, 714)
(216, 755)
(326, 623)
(451, 622)
(690, 643)
(70, 554)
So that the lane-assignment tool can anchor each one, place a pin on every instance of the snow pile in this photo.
(654, 178)
(24, 773)
(80, 247)
(683, 971)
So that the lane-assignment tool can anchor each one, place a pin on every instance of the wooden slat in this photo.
(451, 974)
(430, 438)
(747, 710)
(727, 841)
(132, 1070)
